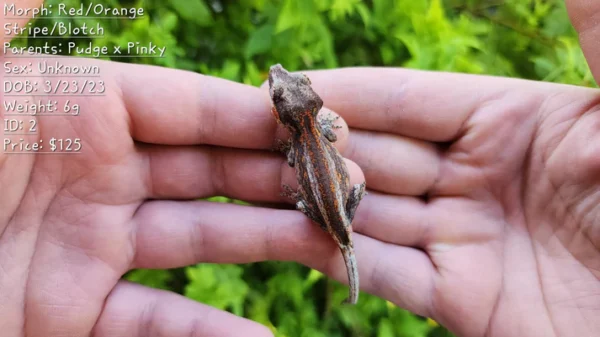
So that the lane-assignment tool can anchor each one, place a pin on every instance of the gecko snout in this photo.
(277, 74)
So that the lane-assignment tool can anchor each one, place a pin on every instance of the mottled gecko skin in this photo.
(324, 192)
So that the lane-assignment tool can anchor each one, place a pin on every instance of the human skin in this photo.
(506, 242)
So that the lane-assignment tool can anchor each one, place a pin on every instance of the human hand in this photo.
(482, 212)
(483, 205)
(72, 225)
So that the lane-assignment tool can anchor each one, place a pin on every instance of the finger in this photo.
(197, 172)
(173, 234)
(394, 164)
(180, 107)
(170, 234)
(399, 220)
(132, 310)
(584, 15)
(431, 106)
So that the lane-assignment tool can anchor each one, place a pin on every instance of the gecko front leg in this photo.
(327, 125)
(290, 193)
(285, 147)
(291, 154)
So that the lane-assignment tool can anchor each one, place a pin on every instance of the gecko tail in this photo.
(352, 268)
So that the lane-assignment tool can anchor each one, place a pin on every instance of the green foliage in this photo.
(158, 279)
(220, 286)
(239, 40)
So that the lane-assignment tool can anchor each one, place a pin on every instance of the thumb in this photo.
(584, 15)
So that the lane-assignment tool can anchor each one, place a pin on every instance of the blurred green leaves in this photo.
(158, 279)
(220, 286)
(193, 10)
(239, 40)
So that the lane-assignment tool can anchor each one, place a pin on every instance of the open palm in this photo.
(72, 225)
(483, 211)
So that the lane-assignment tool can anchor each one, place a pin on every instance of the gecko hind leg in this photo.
(282, 146)
(303, 206)
(311, 213)
(290, 193)
(356, 195)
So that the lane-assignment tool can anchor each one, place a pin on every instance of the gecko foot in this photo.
(290, 193)
(285, 147)
(327, 126)
(282, 146)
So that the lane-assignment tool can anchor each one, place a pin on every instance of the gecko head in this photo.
(292, 96)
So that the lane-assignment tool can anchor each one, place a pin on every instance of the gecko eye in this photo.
(277, 94)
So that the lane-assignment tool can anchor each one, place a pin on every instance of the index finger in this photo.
(427, 105)
(169, 106)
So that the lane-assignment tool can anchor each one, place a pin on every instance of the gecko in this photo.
(324, 194)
